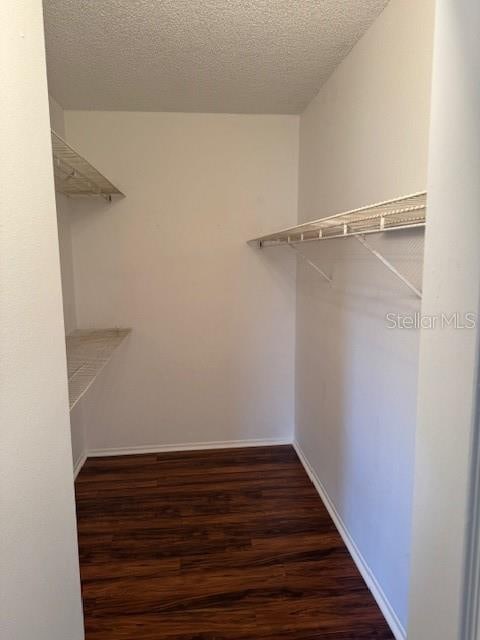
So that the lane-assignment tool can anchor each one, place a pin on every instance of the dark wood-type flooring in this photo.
(219, 545)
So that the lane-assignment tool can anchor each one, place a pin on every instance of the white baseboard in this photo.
(187, 446)
(77, 467)
(376, 590)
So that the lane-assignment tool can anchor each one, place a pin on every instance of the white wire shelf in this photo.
(88, 351)
(75, 176)
(400, 213)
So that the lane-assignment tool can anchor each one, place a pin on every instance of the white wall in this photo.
(78, 435)
(57, 118)
(211, 354)
(445, 445)
(65, 241)
(64, 215)
(40, 594)
(57, 122)
(364, 139)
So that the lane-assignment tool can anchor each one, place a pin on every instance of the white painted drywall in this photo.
(210, 357)
(78, 434)
(64, 214)
(448, 357)
(65, 242)
(362, 140)
(57, 122)
(40, 586)
(57, 118)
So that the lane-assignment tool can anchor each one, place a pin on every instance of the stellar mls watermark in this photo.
(455, 320)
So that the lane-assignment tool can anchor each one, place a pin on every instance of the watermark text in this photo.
(417, 320)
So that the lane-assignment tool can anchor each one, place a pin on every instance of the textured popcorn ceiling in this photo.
(234, 56)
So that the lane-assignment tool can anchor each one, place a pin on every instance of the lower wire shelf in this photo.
(88, 351)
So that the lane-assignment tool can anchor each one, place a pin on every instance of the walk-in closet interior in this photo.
(241, 199)
(182, 336)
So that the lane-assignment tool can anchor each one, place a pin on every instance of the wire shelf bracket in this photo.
(312, 264)
(75, 176)
(389, 266)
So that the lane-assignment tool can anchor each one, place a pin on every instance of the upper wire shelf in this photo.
(400, 213)
(75, 176)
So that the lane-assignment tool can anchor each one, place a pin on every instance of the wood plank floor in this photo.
(215, 545)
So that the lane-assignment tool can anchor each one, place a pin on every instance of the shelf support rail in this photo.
(389, 265)
(312, 264)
